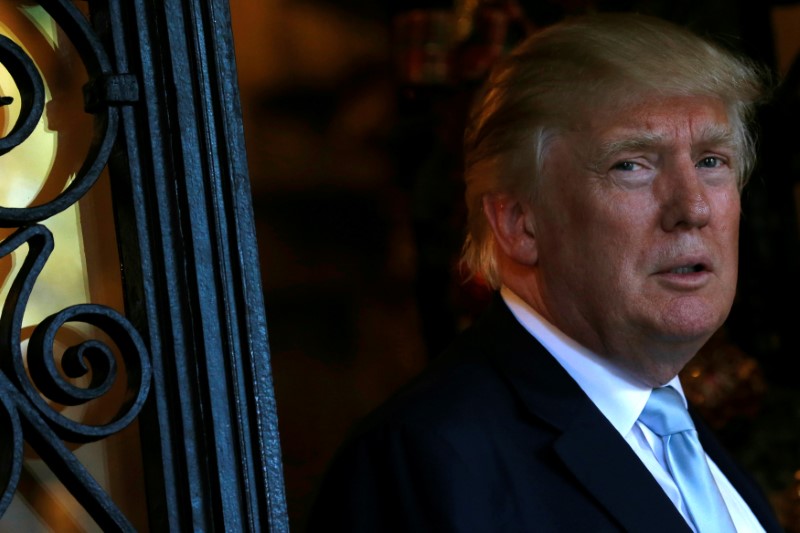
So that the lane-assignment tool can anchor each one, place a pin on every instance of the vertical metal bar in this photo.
(192, 279)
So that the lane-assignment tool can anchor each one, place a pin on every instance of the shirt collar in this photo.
(617, 395)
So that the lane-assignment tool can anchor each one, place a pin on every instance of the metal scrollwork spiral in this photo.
(32, 95)
(31, 90)
(46, 382)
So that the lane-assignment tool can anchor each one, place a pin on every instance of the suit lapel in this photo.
(588, 444)
(609, 469)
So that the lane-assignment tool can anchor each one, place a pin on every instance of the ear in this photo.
(513, 227)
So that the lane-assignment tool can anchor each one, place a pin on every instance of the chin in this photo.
(693, 319)
(689, 334)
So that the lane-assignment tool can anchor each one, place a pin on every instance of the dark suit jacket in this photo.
(496, 436)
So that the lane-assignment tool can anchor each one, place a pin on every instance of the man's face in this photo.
(637, 231)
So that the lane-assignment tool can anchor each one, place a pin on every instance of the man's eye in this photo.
(709, 162)
(626, 165)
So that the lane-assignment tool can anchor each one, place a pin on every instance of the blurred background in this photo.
(353, 114)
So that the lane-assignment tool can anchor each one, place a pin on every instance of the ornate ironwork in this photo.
(31, 90)
(24, 412)
(163, 91)
(80, 33)
(25, 388)
(187, 236)
(44, 374)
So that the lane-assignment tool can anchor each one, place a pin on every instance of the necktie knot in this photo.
(665, 413)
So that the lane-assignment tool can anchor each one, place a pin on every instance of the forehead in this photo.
(685, 119)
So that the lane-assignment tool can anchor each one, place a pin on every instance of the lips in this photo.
(688, 269)
(685, 264)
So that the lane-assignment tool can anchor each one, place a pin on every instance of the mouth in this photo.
(688, 269)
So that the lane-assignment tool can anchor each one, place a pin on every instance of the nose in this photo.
(683, 198)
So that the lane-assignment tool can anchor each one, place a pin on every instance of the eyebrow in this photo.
(712, 135)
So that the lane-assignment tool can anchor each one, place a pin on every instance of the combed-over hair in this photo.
(558, 74)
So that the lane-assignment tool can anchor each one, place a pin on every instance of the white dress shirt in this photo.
(621, 399)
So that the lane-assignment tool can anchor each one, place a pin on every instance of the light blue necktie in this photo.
(666, 415)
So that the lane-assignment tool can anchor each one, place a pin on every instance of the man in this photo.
(604, 164)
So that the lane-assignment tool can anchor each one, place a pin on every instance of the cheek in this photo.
(597, 230)
(619, 225)
(611, 244)
(727, 221)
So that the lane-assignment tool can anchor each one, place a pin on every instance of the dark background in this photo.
(353, 114)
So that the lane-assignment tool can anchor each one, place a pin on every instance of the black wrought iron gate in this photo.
(193, 341)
